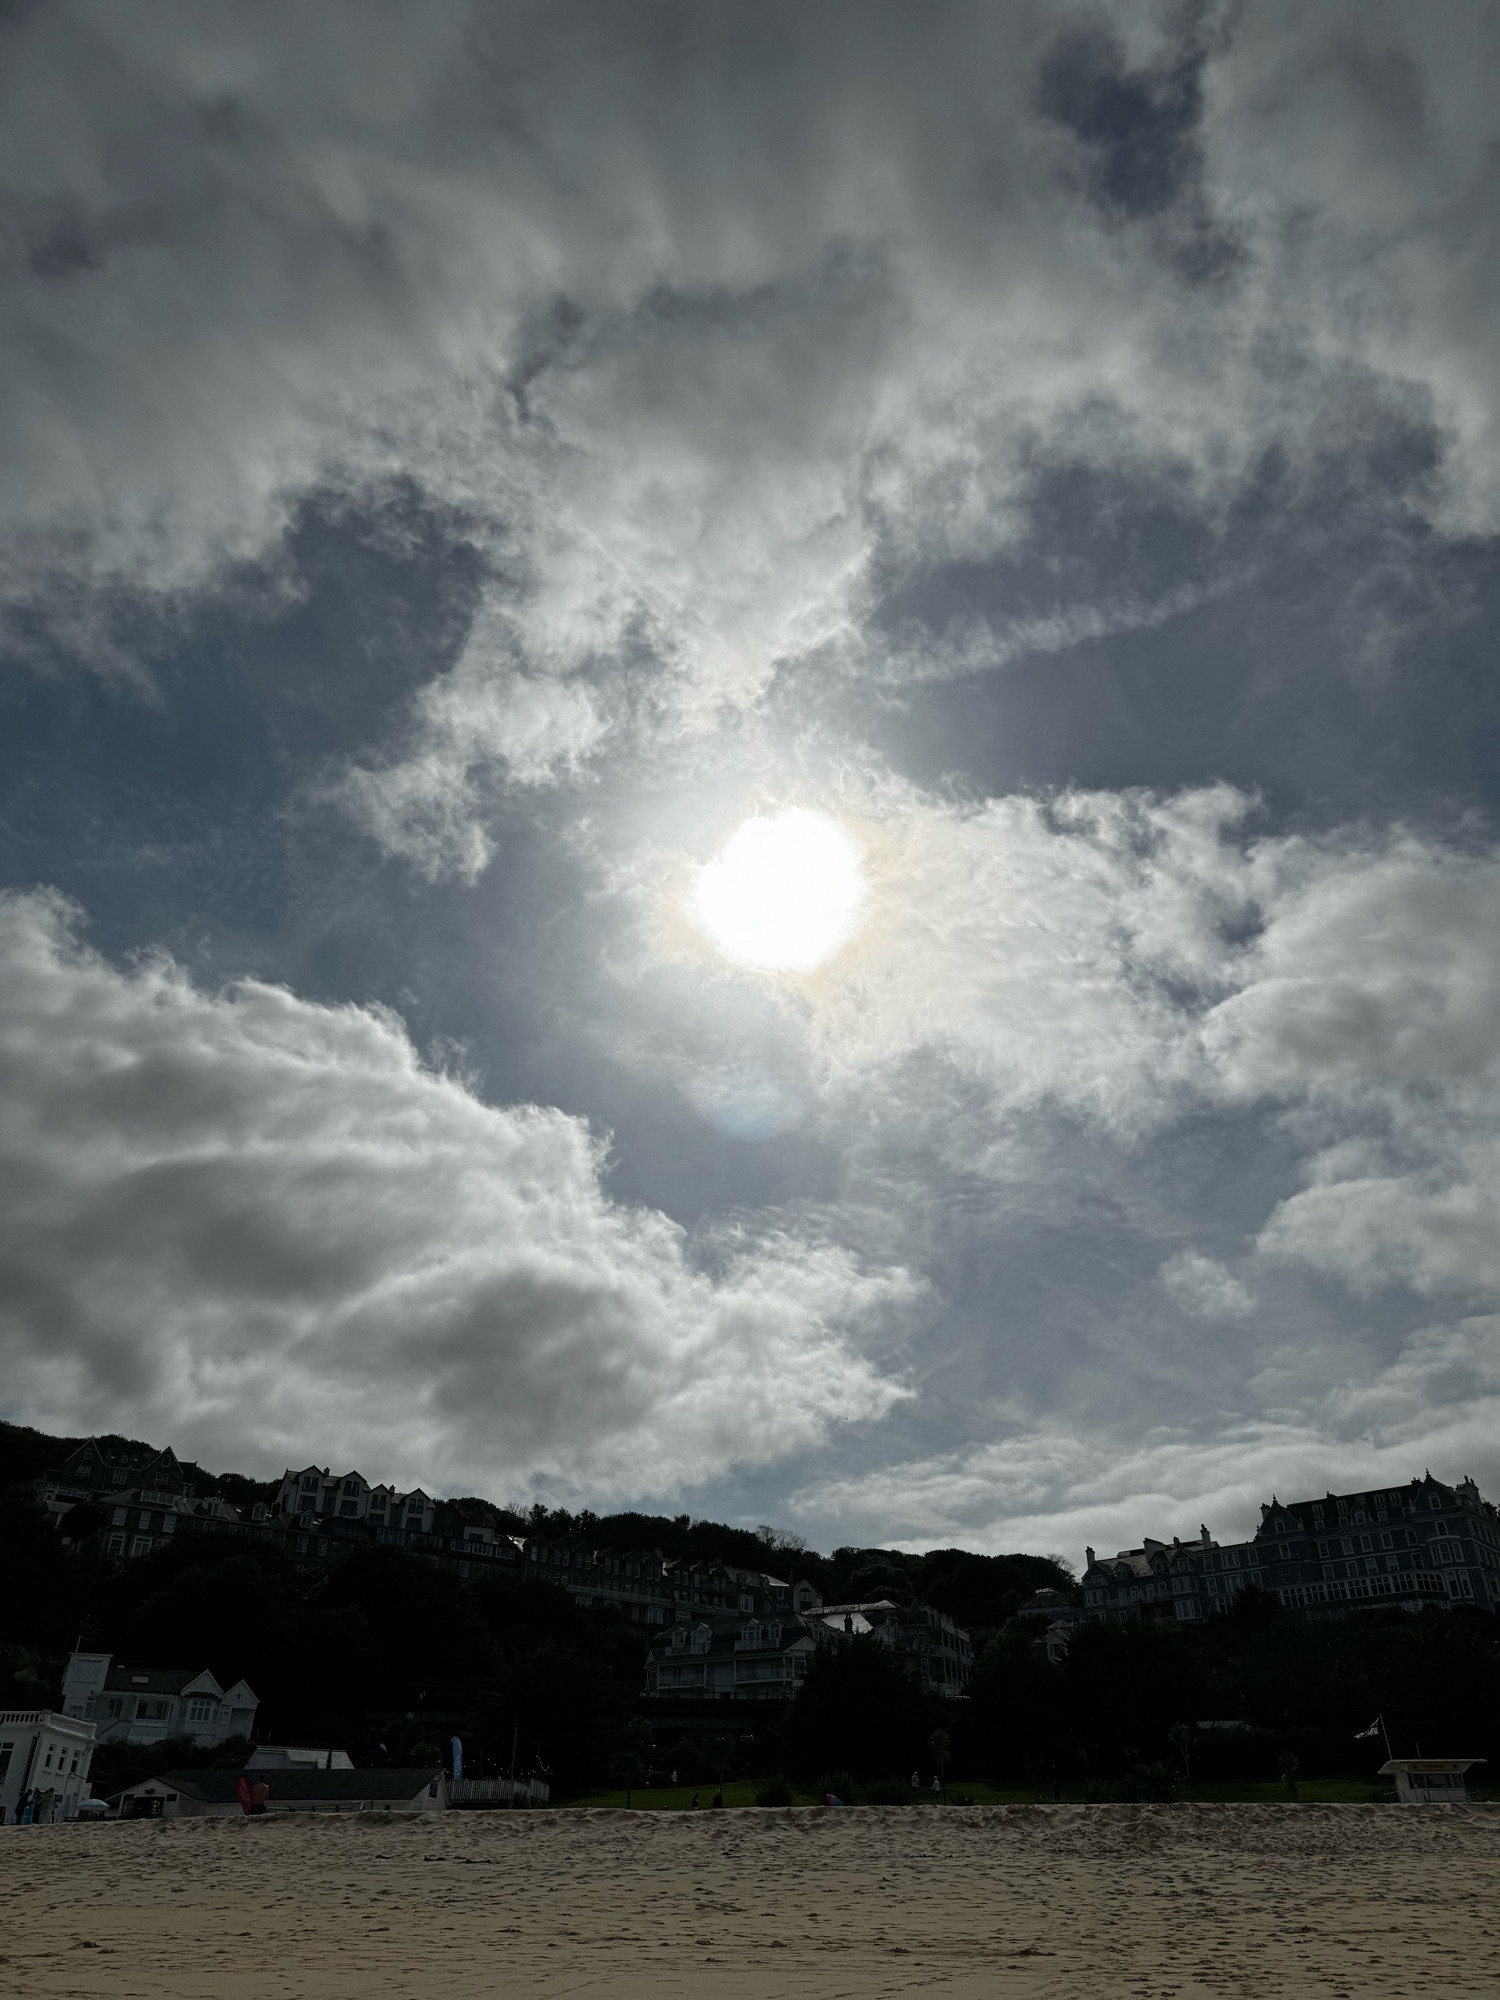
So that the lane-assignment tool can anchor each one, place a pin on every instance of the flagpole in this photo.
(1389, 1752)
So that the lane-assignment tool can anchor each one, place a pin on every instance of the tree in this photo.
(631, 1764)
(940, 1744)
(720, 1753)
(856, 1710)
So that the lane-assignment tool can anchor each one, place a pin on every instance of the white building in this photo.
(1430, 1781)
(152, 1704)
(45, 1756)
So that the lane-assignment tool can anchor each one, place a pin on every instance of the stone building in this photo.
(1425, 1543)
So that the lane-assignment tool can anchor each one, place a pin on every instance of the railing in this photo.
(498, 1792)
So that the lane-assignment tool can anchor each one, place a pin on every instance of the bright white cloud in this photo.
(261, 1228)
(1202, 1287)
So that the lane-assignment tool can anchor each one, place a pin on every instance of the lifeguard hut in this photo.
(1430, 1781)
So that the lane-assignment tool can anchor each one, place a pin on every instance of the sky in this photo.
(749, 752)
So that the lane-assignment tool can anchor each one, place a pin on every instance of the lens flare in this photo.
(786, 892)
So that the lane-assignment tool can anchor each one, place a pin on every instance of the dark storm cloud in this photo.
(481, 452)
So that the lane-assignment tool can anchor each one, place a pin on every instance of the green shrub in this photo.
(886, 1792)
(774, 1791)
(840, 1783)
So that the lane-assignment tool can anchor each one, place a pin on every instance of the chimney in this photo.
(1089, 1554)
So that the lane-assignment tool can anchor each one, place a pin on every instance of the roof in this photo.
(725, 1634)
(217, 1788)
(156, 1680)
(1432, 1765)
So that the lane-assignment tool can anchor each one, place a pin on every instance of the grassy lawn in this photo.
(741, 1792)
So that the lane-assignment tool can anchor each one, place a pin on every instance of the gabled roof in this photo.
(217, 1788)
(160, 1680)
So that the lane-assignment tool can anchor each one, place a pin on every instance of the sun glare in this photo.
(785, 893)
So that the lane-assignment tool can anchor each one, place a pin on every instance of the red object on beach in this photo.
(242, 1793)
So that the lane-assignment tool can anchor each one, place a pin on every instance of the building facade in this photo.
(761, 1653)
(44, 1759)
(1426, 1543)
(936, 1653)
(127, 1505)
(155, 1704)
(730, 1659)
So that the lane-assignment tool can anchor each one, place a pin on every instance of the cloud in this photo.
(1052, 949)
(712, 339)
(1052, 1486)
(1203, 1288)
(482, 727)
(261, 1228)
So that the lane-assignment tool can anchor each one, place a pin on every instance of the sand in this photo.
(1180, 1901)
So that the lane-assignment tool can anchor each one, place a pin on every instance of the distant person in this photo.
(718, 1798)
(260, 1791)
(916, 1781)
(694, 1806)
(674, 1777)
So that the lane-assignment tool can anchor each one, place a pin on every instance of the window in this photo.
(310, 1483)
(115, 1545)
(351, 1487)
(349, 1509)
(1386, 1542)
(115, 1707)
(119, 1517)
(145, 1519)
(202, 1708)
(151, 1711)
(7, 1751)
(141, 1545)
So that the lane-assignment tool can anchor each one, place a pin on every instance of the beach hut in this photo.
(1430, 1781)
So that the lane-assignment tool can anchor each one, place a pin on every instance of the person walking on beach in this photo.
(260, 1791)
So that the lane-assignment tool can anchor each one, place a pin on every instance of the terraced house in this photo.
(1426, 1543)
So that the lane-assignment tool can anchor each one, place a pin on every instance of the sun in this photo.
(786, 892)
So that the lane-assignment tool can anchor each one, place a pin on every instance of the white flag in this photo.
(1373, 1730)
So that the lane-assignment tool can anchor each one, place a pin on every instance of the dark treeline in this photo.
(1128, 1695)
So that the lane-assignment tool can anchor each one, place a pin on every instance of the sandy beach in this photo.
(1177, 1901)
